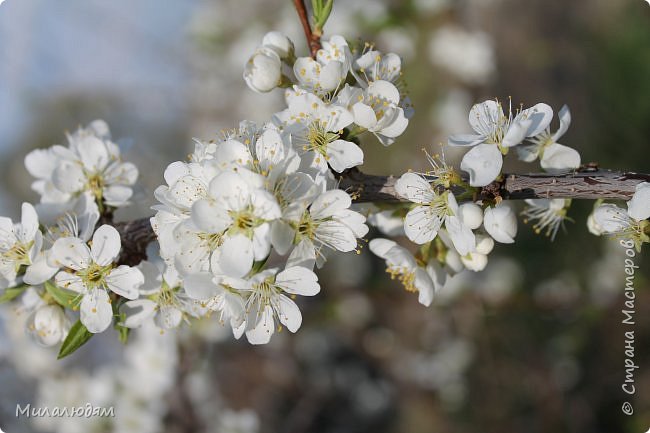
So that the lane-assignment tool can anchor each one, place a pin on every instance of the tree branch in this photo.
(137, 235)
(313, 39)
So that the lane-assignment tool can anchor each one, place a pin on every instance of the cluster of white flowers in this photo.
(452, 237)
(267, 194)
(243, 222)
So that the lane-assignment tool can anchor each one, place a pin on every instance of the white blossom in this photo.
(495, 133)
(91, 273)
(501, 223)
(554, 157)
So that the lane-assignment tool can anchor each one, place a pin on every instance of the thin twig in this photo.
(313, 40)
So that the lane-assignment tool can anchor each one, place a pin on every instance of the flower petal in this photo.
(343, 154)
(106, 245)
(96, 311)
(639, 205)
(421, 225)
(483, 163)
(71, 253)
(298, 281)
(288, 313)
(559, 158)
(125, 281)
(415, 188)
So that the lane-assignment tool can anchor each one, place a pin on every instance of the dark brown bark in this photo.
(364, 188)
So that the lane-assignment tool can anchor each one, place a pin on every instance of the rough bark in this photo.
(588, 184)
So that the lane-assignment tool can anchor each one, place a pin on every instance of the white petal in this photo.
(329, 203)
(28, 223)
(298, 281)
(106, 245)
(380, 246)
(611, 218)
(93, 153)
(263, 326)
(501, 223)
(385, 90)
(200, 286)
(40, 271)
(269, 148)
(303, 255)
(69, 177)
(125, 281)
(364, 115)
(168, 317)
(559, 158)
(639, 205)
(565, 121)
(117, 195)
(465, 140)
(175, 171)
(421, 225)
(210, 217)
(262, 241)
(484, 116)
(425, 287)
(288, 313)
(282, 236)
(462, 237)
(471, 215)
(72, 253)
(69, 281)
(337, 235)
(96, 311)
(517, 131)
(540, 116)
(414, 188)
(235, 258)
(343, 154)
(137, 312)
(483, 163)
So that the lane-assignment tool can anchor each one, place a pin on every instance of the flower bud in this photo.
(471, 215)
(48, 325)
(453, 262)
(474, 261)
(484, 244)
(280, 43)
(263, 71)
(501, 223)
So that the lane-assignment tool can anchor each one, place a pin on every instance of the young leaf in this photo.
(65, 298)
(77, 337)
(12, 293)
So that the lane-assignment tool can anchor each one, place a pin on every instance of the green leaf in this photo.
(65, 298)
(77, 337)
(12, 293)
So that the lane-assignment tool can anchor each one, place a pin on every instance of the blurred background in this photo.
(532, 344)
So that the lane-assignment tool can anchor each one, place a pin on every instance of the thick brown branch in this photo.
(579, 185)
(313, 39)
(136, 235)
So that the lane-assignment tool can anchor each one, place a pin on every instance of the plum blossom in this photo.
(91, 162)
(632, 224)
(495, 134)
(423, 222)
(415, 275)
(329, 69)
(315, 128)
(20, 245)
(549, 214)
(554, 157)
(91, 273)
